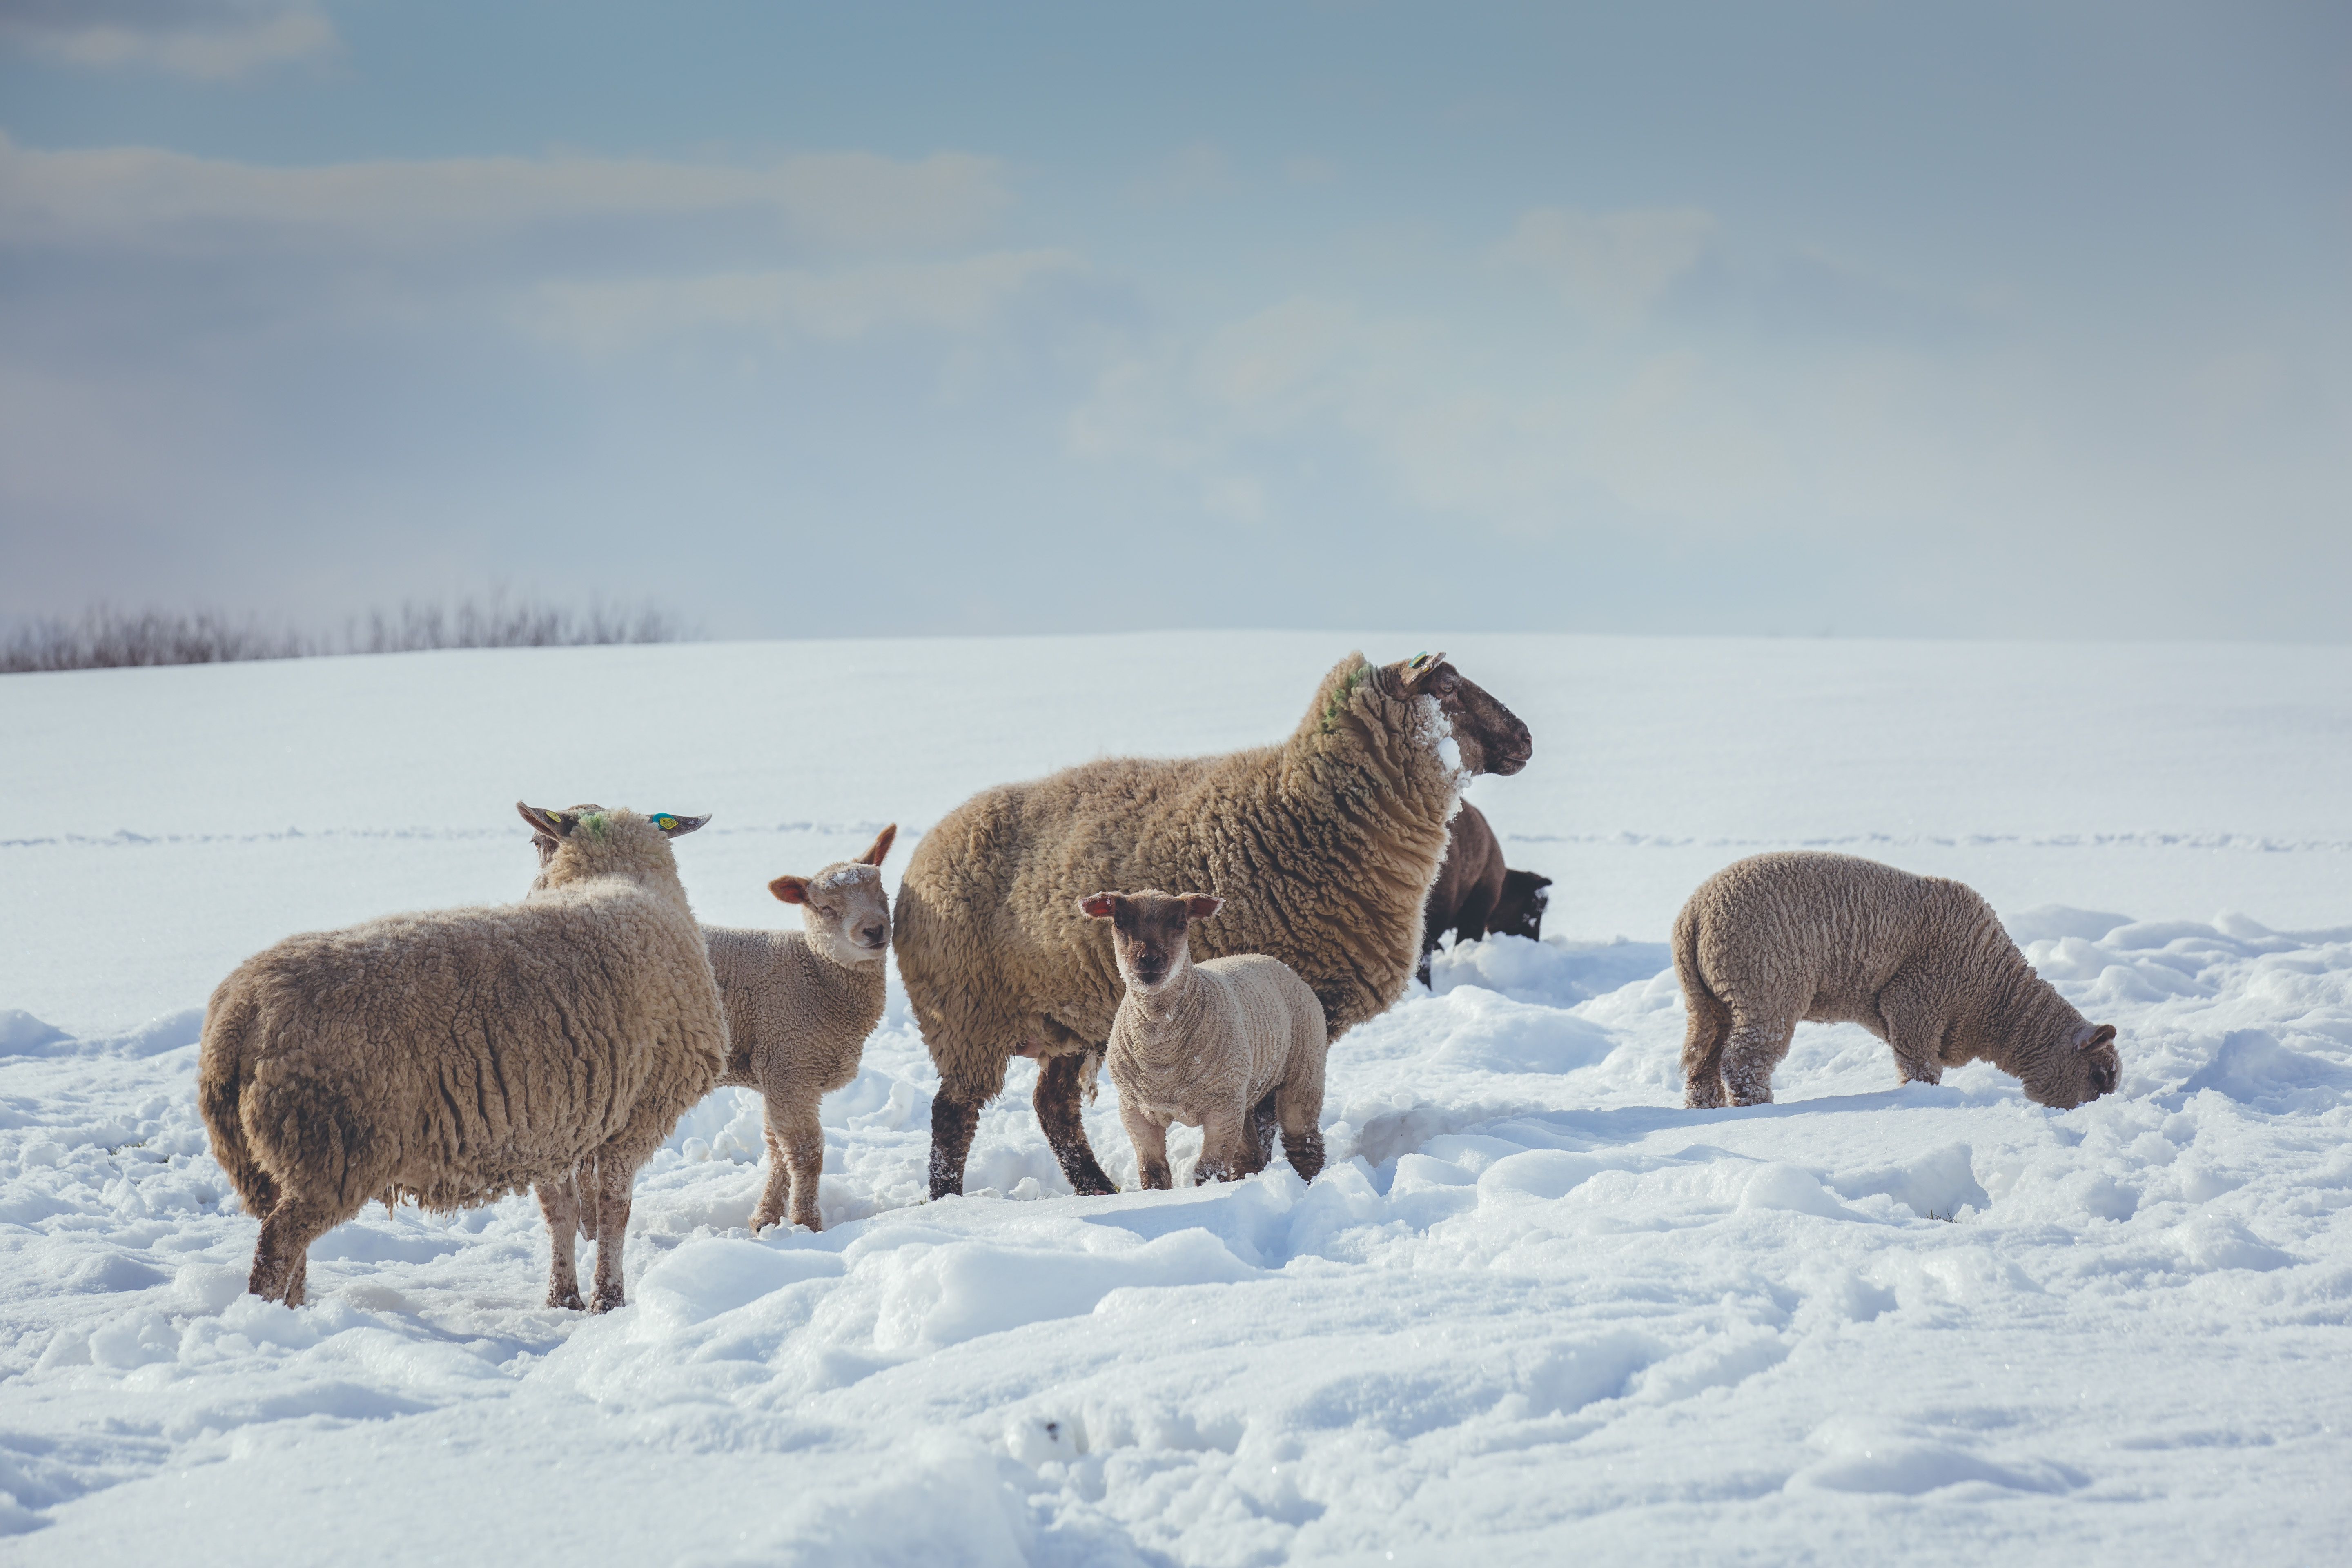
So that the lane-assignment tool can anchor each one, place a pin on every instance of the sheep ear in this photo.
(1201, 906)
(2105, 1035)
(1101, 906)
(673, 826)
(881, 846)
(1417, 670)
(554, 824)
(792, 889)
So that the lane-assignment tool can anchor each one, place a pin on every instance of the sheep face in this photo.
(2085, 1067)
(1520, 911)
(1148, 932)
(843, 908)
(1489, 735)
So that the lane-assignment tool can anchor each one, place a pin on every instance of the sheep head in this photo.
(1490, 737)
(552, 831)
(843, 908)
(1148, 932)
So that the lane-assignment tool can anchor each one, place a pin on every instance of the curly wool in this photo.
(1920, 962)
(1330, 838)
(459, 1055)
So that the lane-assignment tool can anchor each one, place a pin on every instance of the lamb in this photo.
(1474, 894)
(799, 1007)
(458, 1056)
(1234, 1047)
(1338, 833)
(1920, 962)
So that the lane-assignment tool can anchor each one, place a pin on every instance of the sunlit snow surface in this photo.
(1532, 1310)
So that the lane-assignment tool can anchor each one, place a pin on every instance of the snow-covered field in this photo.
(1533, 1308)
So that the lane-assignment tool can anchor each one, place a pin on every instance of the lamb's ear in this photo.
(554, 824)
(881, 846)
(792, 889)
(1201, 906)
(2105, 1035)
(672, 825)
(1101, 906)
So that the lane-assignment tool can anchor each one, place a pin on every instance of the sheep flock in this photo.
(455, 1057)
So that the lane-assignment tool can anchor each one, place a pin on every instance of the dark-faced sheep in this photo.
(1233, 1046)
(1920, 962)
(459, 1056)
(1335, 835)
(1475, 895)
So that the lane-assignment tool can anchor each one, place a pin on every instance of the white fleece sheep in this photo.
(1234, 1047)
(459, 1055)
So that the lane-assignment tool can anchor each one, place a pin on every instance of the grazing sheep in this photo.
(1474, 894)
(1520, 911)
(799, 1006)
(1920, 962)
(1234, 1047)
(458, 1056)
(1337, 832)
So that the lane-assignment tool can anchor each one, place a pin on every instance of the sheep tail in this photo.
(220, 1095)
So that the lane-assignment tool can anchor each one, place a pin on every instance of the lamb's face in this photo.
(843, 908)
(1489, 735)
(1148, 931)
(2088, 1065)
(847, 915)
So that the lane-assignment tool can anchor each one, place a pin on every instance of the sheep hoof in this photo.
(567, 1300)
(607, 1297)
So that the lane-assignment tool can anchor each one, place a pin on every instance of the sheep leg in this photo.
(1912, 1024)
(281, 1257)
(797, 1148)
(954, 1118)
(559, 1201)
(1263, 1122)
(1060, 1081)
(1298, 1106)
(1703, 1039)
(1225, 1139)
(613, 1181)
(1148, 1135)
(1754, 1047)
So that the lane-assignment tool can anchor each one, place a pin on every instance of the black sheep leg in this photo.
(953, 1121)
(1059, 1081)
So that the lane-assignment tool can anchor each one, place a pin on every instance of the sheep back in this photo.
(459, 1056)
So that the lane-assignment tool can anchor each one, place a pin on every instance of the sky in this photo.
(1999, 320)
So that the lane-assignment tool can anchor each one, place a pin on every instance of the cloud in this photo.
(211, 41)
(148, 199)
(961, 295)
(1612, 266)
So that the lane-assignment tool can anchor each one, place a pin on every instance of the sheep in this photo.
(1920, 962)
(1338, 833)
(799, 1006)
(1234, 1047)
(1474, 894)
(458, 1056)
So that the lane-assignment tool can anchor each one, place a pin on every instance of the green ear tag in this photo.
(1418, 660)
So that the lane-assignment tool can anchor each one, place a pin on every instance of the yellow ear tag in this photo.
(1418, 660)
(664, 821)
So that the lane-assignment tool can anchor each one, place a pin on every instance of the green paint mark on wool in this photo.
(596, 822)
(1339, 703)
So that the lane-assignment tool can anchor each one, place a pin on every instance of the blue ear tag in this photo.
(664, 821)
(1418, 660)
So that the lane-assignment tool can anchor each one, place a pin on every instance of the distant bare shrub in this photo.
(105, 637)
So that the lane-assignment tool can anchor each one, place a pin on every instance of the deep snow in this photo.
(1533, 1308)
